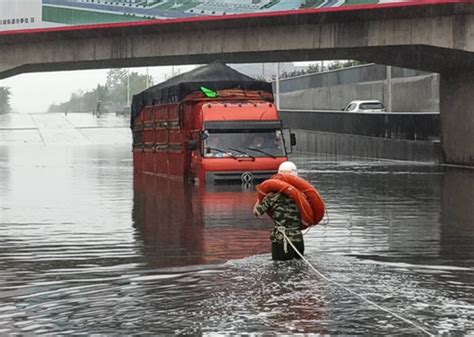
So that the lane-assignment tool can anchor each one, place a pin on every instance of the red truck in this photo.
(210, 124)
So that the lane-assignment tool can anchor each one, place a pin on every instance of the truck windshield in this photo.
(244, 144)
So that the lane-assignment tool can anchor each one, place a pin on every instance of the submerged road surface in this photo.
(86, 247)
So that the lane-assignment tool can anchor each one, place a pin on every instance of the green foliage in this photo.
(81, 101)
(5, 94)
(315, 68)
(312, 68)
(345, 64)
(119, 88)
(115, 77)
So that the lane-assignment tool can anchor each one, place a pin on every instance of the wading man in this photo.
(286, 217)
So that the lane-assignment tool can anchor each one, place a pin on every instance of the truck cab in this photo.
(239, 141)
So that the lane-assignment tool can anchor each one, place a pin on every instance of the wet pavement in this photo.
(63, 128)
(87, 247)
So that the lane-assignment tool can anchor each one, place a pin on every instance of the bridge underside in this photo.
(437, 38)
(426, 58)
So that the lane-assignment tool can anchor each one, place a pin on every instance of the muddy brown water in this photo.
(86, 247)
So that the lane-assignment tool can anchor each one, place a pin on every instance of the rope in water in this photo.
(353, 292)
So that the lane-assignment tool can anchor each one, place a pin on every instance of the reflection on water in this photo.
(86, 247)
(181, 224)
(457, 219)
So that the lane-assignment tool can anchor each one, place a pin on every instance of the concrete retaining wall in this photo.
(367, 147)
(412, 91)
(395, 125)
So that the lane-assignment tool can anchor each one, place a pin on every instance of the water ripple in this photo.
(87, 248)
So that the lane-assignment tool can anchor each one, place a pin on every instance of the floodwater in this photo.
(86, 247)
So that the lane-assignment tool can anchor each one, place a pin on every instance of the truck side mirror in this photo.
(192, 145)
(292, 139)
(204, 135)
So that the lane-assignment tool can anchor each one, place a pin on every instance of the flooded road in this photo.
(86, 247)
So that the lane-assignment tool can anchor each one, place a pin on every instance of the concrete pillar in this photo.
(277, 86)
(457, 118)
(388, 103)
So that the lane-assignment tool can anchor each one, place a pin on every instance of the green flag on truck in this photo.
(209, 93)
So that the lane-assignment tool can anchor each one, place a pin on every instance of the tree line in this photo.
(113, 96)
(316, 68)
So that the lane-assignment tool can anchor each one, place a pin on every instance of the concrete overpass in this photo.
(436, 36)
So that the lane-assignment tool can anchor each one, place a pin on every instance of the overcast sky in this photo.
(36, 92)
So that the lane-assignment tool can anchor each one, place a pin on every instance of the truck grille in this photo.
(238, 176)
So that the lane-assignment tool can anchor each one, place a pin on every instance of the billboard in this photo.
(20, 14)
(26, 14)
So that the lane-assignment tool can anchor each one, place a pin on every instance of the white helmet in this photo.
(288, 167)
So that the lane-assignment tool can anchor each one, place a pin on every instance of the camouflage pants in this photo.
(278, 251)
(282, 251)
(294, 234)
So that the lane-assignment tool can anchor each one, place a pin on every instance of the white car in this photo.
(365, 106)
